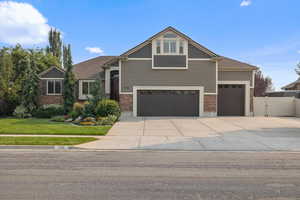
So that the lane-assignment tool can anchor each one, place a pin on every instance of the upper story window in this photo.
(181, 47)
(158, 47)
(170, 35)
(170, 47)
(170, 44)
(54, 87)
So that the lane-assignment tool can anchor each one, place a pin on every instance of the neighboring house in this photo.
(167, 75)
(293, 86)
(286, 93)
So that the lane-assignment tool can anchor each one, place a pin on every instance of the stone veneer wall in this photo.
(126, 102)
(210, 103)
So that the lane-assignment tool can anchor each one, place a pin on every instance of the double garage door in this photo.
(168, 102)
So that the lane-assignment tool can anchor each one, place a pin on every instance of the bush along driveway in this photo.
(34, 126)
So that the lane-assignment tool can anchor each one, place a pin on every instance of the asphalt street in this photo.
(130, 175)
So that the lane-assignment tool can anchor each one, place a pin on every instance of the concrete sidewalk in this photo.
(207, 134)
(37, 135)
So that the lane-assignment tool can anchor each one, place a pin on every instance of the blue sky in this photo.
(261, 32)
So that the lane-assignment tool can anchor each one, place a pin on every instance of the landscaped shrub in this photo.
(108, 107)
(109, 120)
(48, 111)
(7, 107)
(78, 107)
(21, 112)
(73, 114)
(3, 108)
(87, 123)
(88, 110)
(58, 119)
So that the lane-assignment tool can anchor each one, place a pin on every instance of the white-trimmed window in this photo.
(85, 88)
(170, 44)
(54, 87)
(158, 46)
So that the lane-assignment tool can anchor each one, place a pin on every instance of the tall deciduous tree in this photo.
(298, 69)
(30, 85)
(55, 44)
(262, 84)
(69, 80)
(8, 88)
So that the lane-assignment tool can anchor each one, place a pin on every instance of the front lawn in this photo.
(44, 140)
(47, 127)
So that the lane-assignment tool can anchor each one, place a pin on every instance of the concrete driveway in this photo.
(211, 134)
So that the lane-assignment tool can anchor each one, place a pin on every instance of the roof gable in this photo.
(52, 72)
(291, 85)
(170, 29)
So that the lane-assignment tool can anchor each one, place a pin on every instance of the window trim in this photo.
(82, 96)
(54, 94)
(178, 40)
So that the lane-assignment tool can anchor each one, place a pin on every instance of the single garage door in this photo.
(168, 103)
(231, 100)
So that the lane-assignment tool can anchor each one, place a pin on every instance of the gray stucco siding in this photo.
(197, 53)
(235, 76)
(144, 52)
(140, 73)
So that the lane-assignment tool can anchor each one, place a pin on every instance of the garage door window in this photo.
(169, 92)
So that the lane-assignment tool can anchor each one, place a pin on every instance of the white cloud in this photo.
(22, 23)
(246, 3)
(95, 50)
(298, 51)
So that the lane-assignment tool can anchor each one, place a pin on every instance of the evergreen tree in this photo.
(30, 86)
(69, 79)
(55, 44)
(97, 92)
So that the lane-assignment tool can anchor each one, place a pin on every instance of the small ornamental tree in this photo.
(30, 86)
(69, 80)
(262, 84)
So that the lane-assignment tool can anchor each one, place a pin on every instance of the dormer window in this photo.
(169, 44)
(181, 47)
(158, 47)
(169, 51)
(170, 47)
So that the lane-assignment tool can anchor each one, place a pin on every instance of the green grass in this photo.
(44, 140)
(36, 126)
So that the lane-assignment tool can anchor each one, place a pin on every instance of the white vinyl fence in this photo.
(297, 102)
(276, 106)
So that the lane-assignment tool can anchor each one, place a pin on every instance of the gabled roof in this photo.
(228, 64)
(49, 69)
(90, 68)
(291, 84)
(170, 28)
